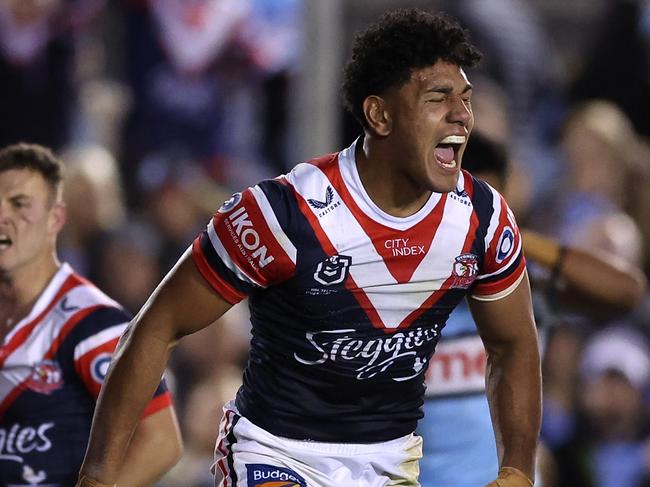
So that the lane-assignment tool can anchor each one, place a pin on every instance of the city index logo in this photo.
(400, 246)
(248, 240)
(261, 475)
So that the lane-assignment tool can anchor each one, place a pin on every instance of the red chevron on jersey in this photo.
(360, 294)
(402, 250)
(54, 362)
(35, 340)
(22, 330)
(388, 302)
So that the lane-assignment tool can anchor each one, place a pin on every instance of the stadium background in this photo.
(162, 108)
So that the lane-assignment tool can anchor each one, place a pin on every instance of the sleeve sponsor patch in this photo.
(99, 367)
(246, 246)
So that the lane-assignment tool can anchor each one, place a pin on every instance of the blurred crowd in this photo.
(162, 108)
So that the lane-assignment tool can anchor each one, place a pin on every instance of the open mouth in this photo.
(447, 151)
(5, 242)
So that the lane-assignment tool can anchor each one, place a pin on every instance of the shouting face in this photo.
(430, 118)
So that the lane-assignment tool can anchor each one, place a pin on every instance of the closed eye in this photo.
(19, 202)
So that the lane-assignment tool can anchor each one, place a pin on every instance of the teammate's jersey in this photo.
(459, 447)
(52, 365)
(347, 302)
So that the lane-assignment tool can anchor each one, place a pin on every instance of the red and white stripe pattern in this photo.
(389, 304)
(224, 475)
(92, 356)
(251, 244)
(499, 261)
(400, 266)
(65, 302)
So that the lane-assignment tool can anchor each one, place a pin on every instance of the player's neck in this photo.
(20, 289)
(386, 186)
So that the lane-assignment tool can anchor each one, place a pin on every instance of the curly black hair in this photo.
(401, 41)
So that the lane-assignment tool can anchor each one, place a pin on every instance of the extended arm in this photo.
(182, 304)
(155, 447)
(513, 379)
(597, 278)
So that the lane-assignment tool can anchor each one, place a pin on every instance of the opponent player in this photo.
(352, 263)
(58, 332)
(459, 447)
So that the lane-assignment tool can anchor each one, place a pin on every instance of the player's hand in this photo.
(88, 482)
(511, 477)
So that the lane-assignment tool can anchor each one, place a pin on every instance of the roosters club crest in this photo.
(45, 377)
(465, 271)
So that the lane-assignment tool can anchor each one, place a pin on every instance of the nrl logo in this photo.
(334, 270)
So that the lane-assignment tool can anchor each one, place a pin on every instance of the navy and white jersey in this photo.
(347, 302)
(52, 365)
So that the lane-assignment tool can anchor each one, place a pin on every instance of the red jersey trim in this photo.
(158, 403)
(220, 285)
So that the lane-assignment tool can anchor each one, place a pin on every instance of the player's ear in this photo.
(377, 115)
(57, 217)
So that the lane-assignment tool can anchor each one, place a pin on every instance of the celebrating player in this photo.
(459, 447)
(58, 332)
(352, 263)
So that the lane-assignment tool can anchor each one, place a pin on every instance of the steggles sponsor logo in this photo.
(247, 239)
(401, 247)
(379, 354)
(17, 441)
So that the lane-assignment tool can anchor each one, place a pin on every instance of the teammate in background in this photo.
(58, 333)
(459, 447)
(352, 263)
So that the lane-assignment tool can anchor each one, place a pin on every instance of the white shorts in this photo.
(248, 456)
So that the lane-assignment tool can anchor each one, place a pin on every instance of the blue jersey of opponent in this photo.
(459, 448)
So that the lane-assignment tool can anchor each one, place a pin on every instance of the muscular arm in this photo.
(598, 278)
(155, 447)
(182, 304)
(513, 377)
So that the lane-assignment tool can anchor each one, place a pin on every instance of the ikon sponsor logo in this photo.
(21, 440)
(261, 475)
(334, 270)
(400, 246)
(372, 356)
(247, 239)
